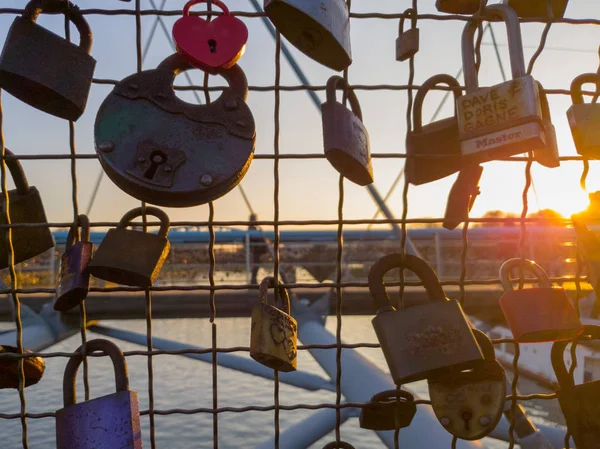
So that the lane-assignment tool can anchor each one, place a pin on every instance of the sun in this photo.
(569, 203)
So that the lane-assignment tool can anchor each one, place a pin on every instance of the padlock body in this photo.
(425, 340)
(130, 257)
(457, 6)
(273, 338)
(45, 71)
(581, 407)
(462, 196)
(108, 422)
(538, 315)
(548, 155)
(501, 121)
(434, 152)
(74, 278)
(27, 242)
(407, 44)
(320, 30)
(387, 416)
(584, 120)
(537, 8)
(346, 143)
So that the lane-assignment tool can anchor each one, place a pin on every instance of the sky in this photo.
(309, 188)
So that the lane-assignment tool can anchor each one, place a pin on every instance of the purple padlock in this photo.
(74, 278)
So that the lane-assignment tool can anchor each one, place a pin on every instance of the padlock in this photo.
(537, 315)
(45, 70)
(588, 248)
(506, 119)
(530, 9)
(548, 154)
(211, 46)
(107, 422)
(74, 278)
(274, 332)
(407, 43)
(462, 196)
(25, 206)
(345, 138)
(433, 151)
(580, 404)
(425, 340)
(33, 368)
(469, 404)
(458, 6)
(320, 30)
(132, 257)
(388, 410)
(340, 445)
(160, 149)
(584, 118)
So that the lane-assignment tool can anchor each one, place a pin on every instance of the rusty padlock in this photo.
(320, 30)
(529, 9)
(345, 138)
(585, 118)
(388, 410)
(433, 150)
(274, 332)
(45, 70)
(131, 257)
(458, 6)
(421, 341)
(537, 315)
(33, 368)
(25, 206)
(462, 196)
(74, 278)
(160, 149)
(469, 404)
(407, 43)
(340, 445)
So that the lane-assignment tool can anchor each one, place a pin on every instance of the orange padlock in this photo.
(537, 315)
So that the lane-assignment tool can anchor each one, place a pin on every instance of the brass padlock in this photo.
(388, 410)
(132, 257)
(458, 6)
(45, 70)
(585, 118)
(274, 332)
(345, 138)
(462, 196)
(320, 30)
(421, 341)
(407, 43)
(340, 445)
(548, 154)
(529, 9)
(433, 150)
(25, 207)
(469, 404)
(33, 368)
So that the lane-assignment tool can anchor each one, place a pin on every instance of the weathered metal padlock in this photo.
(274, 332)
(388, 410)
(506, 119)
(45, 70)
(462, 196)
(407, 43)
(132, 257)
(458, 6)
(548, 154)
(74, 278)
(107, 422)
(433, 150)
(340, 445)
(584, 118)
(320, 30)
(25, 206)
(160, 149)
(421, 341)
(580, 404)
(469, 404)
(33, 368)
(529, 9)
(345, 138)
(537, 315)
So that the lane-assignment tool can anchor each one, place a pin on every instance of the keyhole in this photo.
(212, 44)
(467, 416)
(157, 158)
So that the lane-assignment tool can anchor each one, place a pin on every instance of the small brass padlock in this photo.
(273, 338)
(585, 118)
(407, 43)
(388, 410)
(33, 368)
(529, 9)
(462, 196)
(458, 6)
(340, 445)
(132, 257)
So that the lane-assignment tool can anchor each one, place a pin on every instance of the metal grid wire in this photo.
(412, 14)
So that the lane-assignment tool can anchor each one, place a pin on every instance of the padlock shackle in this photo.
(485, 344)
(515, 44)
(35, 7)
(528, 265)
(408, 262)
(84, 222)
(340, 445)
(17, 173)
(450, 81)
(283, 297)
(110, 349)
(165, 223)
(188, 5)
(337, 82)
(558, 360)
(413, 20)
(577, 86)
(386, 396)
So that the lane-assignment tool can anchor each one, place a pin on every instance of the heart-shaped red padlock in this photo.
(210, 46)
